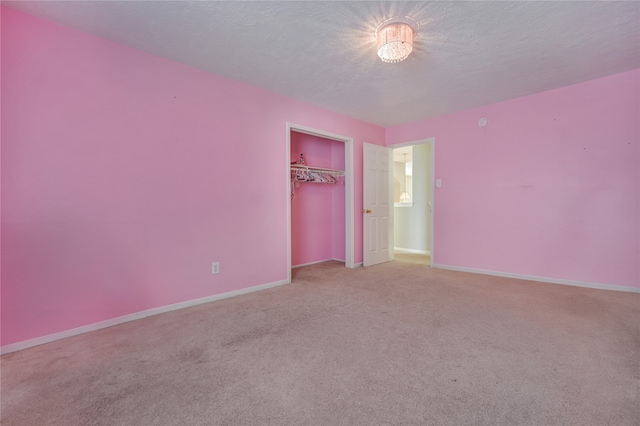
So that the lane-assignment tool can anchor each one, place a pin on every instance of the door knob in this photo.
(366, 211)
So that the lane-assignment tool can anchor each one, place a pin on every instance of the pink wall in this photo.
(125, 175)
(317, 210)
(550, 188)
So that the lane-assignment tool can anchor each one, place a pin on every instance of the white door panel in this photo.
(377, 206)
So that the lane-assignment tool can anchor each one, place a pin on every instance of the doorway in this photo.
(348, 191)
(413, 201)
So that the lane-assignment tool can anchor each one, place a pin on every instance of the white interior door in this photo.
(377, 205)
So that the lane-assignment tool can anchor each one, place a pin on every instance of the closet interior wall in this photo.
(317, 209)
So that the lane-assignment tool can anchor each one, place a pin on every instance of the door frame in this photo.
(431, 222)
(349, 190)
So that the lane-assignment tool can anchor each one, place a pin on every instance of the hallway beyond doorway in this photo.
(414, 258)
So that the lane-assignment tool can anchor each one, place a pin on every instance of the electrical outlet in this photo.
(215, 267)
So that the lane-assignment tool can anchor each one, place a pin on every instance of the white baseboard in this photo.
(540, 279)
(406, 250)
(131, 317)
(316, 262)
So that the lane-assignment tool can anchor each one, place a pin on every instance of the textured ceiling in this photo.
(466, 54)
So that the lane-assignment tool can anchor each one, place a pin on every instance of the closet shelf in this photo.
(304, 173)
(304, 167)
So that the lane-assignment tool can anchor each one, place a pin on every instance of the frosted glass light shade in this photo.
(395, 42)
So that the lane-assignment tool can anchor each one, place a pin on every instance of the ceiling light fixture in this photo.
(395, 41)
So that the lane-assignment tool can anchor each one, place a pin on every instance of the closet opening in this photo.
(320, 200)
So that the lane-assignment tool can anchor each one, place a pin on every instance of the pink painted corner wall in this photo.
(124, 175)
(317, 210)
(549, 188)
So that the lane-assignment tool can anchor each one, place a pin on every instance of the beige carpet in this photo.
(393, 344)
